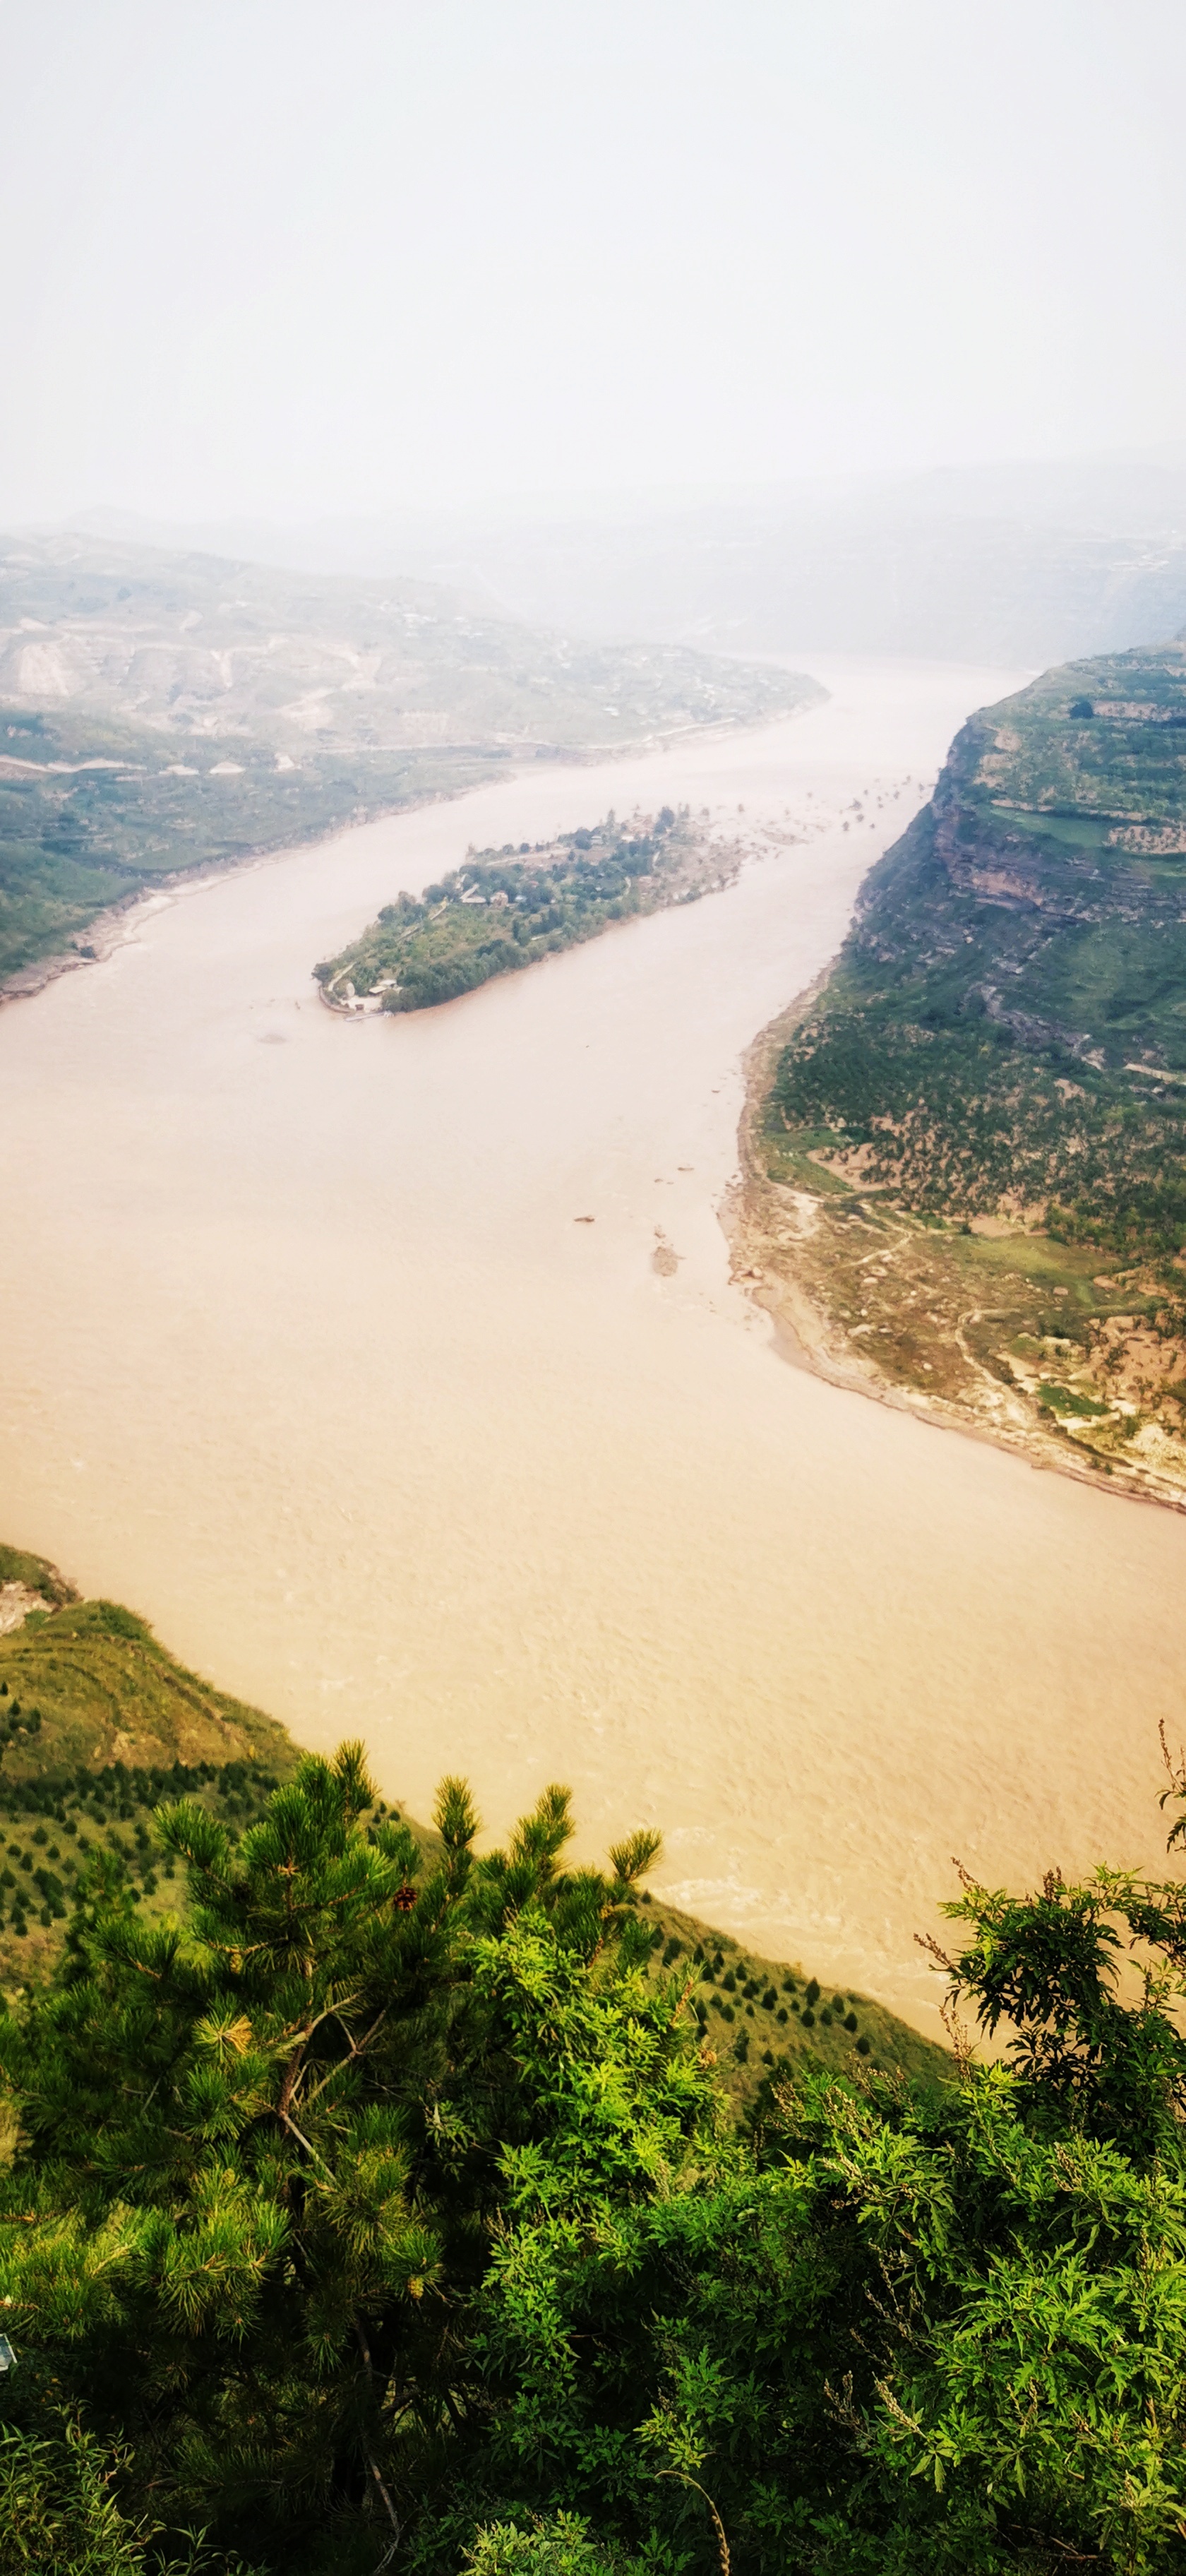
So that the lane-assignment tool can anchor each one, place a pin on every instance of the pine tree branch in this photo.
(302, 2140)
(371, 2461)
(356, 2048)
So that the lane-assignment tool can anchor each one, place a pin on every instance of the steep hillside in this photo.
(967, 1152)
(160, 712)
(99, 1725)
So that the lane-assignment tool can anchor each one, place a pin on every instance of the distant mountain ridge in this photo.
(195, 645)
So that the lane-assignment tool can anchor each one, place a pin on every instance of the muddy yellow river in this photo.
(307, 1357)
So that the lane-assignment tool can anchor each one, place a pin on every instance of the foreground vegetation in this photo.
(390, 2211)
(383, 2205)
(508, 908)
(981, 1122)
(170, 711)
(99, 1724)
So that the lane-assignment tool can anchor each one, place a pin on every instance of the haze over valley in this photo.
(1024, 562)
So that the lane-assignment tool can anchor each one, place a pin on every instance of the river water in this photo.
(307, 1357)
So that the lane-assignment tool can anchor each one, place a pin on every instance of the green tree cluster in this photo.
(505, 909)
(387, 2215)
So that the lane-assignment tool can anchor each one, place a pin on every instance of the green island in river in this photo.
(966, 1149)
(505, 909)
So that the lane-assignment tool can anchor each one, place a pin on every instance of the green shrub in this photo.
(560, 2546)
(59, 2515)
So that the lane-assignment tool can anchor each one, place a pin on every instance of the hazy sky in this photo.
(292, 256)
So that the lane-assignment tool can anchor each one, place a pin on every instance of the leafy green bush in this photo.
(59, 2515)
(560, 2546)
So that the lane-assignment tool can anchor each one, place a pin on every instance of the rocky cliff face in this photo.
(1065, 807)
(990, 856)
(1081, 778)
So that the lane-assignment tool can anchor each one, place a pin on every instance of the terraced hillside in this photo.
(161, 712)
(99, 1725)
(967, 1152)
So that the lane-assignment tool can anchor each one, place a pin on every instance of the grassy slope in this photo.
(986, 1108)
(785, 2018)
(94, 1717)
(232, 708)
(507, 908)
(112, 1713)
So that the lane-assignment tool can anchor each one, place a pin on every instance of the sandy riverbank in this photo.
(793, 1251)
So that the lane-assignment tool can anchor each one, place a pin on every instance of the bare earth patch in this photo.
(16, 1602)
